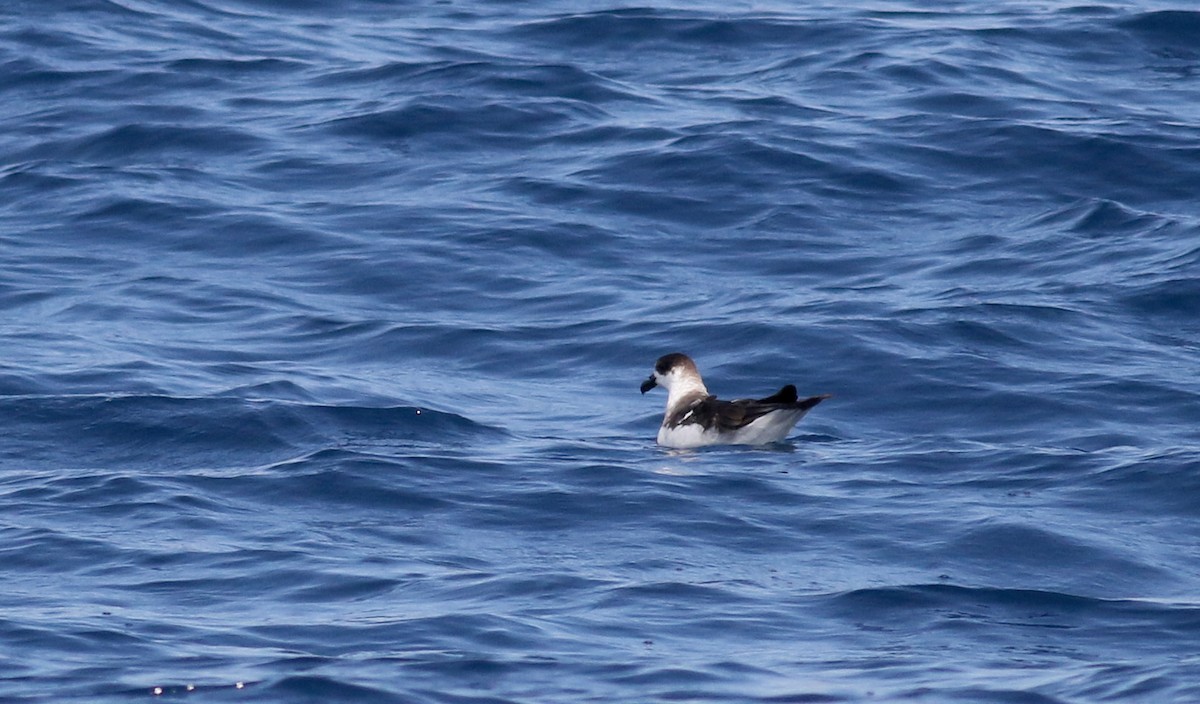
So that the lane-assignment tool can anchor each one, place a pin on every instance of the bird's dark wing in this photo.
(710, 411)
(785, 395)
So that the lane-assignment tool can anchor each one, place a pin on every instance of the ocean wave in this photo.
(324, 327)
(165, 431)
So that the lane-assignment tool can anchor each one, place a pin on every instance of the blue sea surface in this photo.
(322, 324)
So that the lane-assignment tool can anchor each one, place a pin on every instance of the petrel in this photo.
(695, 418)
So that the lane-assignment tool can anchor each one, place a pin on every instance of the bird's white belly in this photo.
(772, 427)
(686, 436)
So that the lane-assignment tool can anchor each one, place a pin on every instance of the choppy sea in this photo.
(322, 324)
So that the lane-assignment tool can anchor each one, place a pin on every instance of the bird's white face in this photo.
(668, 379)
(664, 378)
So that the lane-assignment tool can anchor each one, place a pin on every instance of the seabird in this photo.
(695, 418)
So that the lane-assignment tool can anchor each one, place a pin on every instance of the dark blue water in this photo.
(322, 323)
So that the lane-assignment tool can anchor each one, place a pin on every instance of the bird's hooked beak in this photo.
(649, 384)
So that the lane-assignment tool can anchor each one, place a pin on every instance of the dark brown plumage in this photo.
(709, 411)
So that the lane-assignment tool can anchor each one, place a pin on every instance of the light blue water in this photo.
(322, 327)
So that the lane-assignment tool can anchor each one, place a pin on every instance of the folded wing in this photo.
(710, 412)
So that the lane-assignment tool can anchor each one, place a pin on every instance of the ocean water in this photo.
(322, 324)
